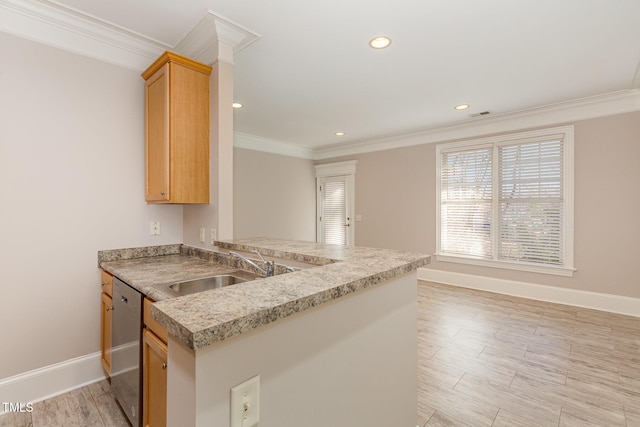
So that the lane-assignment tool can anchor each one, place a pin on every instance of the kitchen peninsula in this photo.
(333, 344)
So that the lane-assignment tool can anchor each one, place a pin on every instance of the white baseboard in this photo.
(43, 383)
(597, 301)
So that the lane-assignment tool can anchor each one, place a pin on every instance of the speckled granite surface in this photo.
(131, 253)
(202, 319)
(143, 273)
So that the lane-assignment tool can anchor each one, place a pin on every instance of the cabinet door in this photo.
(107, 283)
(157, 136)
(105, 336)
(154, 379)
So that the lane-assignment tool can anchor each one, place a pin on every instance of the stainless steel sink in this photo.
(187, 287)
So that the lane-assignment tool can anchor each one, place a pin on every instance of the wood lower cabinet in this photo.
(154, 371)
(106, 321)
(177, 130)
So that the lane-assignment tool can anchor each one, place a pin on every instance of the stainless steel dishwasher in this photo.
(126, 375)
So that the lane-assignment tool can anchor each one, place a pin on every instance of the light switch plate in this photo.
(202, 234)
(245, 403)
(213, 237)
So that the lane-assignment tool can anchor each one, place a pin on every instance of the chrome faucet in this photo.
(270, 265)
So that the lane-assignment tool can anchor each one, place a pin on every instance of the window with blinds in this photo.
(509, 201)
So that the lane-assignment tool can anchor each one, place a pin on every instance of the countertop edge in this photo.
(200, 320)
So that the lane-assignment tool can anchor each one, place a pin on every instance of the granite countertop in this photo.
(143, 273)
(201, 319)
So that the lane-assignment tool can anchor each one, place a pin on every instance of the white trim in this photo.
(43, 383)
(508, 265)
(67, 28)
(566, 133)
(564, 112)
(578, 298)
(215, 37)
(336, 169)
(257, 143)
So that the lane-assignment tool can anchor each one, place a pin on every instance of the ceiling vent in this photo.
(483, 113)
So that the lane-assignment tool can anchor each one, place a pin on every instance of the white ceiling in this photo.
(312, 73)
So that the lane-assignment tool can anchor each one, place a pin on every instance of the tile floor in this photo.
(484, 360)
(493, 360)
(90, 406)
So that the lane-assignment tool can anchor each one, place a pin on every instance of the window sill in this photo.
(509, 265)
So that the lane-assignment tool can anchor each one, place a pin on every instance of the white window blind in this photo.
(334, 213)
(508, 201)
(531, 202)
(466, 203)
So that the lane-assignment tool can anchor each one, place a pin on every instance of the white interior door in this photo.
(335, 210)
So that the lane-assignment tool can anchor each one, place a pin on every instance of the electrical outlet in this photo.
(202, 234)
(213, 237)
(154, 228)
(245, 403)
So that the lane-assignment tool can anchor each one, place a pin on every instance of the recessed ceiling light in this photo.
(462, 106)
(237, 105)
(339, 133)
(380, 42)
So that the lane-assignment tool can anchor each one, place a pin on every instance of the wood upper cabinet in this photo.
(177, 130)
(105, 321)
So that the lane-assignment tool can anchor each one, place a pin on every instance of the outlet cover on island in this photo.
(245, 403)
(213, 237)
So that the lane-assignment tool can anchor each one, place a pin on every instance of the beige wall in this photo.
(395, 194)
(320, 367)
(72, 183)
(274, 196)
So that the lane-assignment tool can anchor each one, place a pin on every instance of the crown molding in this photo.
(216, 38)
(267, 145)
(564, 112)
(66, 28)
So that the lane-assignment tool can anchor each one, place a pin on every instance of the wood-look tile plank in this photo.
(597, 386)
(110, 412)
(16, 419)
(496, 375)
(438, 419)
(523, 365)
(83, 409)
(528, 406)
(572, 417)
(469, 410)
(508, 419)
(605, 409)
(619, 321)
(632, 415)
(99, 388)
(439, 373)
(424, 413)
(54, 412)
